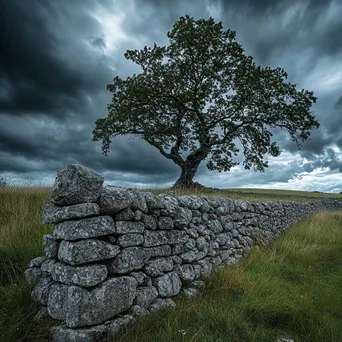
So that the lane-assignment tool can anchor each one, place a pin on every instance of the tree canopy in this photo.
(202, 94)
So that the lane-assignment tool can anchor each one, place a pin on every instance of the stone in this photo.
(191, 202)
(164, 250)
(215, 226)
(168, 285)
(41, 291)
(76, 184)
(124, 215)
(142, 278)
(158, 266)
(32, 275)
(171, 206)
(137, 311)
(138, 215)
(129, 240)
(62, 333)
(50, 246)
(84, 228)
(84, 251)
(186, 273)
(114, 327)
(190, 256)
(47, 265)
(113, 200)
(125, 227)
(190, 293)
(164, 237)
(150, 222)
(145, 296)
(55, 214)
(37, 262)
(80, 307)
(138, 200)
(153, 202)
(165, 222)
(162, 303)
(129, 259)
(183, 217)
(85, 276)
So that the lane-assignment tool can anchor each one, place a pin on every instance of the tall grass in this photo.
(290, 288)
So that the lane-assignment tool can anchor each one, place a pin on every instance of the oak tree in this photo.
(203, 95)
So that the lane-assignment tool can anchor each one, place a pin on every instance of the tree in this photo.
(204, 65)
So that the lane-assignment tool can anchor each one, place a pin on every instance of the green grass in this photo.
(291, 288)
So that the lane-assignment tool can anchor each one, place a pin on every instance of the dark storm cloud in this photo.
(45, 66)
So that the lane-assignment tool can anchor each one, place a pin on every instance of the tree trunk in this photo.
(189, 169)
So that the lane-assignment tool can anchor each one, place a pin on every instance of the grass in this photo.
(292, 288)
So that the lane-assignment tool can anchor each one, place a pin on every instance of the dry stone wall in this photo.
(115, 254)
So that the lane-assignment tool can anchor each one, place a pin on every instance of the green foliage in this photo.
(204, 65)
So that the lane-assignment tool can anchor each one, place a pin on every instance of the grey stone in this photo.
(206, 268)
(64, 334)
(50, 246)
(150, 222)
(138, 215)
(138, 200)
(113, 200)
(85, 276)
(76, 184)
(201, 243)
(189, 257)
(145, 296)
(168, 285)
(215, 226)
(80, 307)
(162, 303)
(84, 228)
(142, 278)
(170, 205)
(152, 201)
(129, 259)
(165, 223)
(158, 266)
(124, 215)
(223, 238)
(137, 311)
(186, 273)
(41, 291)
(37, 262)
(84, 251)
(157, 238)
(183, 217)
(191, 202)
(55, 214)
(47, 265)
(114, 327)
(32, 275)
(125, 227)
(190, 293)
(164, 250)
(129, 240)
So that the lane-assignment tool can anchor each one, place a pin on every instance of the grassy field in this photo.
(292, 288)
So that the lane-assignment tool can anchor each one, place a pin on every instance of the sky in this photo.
(58, 57)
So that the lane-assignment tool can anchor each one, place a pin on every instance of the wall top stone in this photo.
(76, 184)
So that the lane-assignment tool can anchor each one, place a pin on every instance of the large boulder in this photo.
(76, 184)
